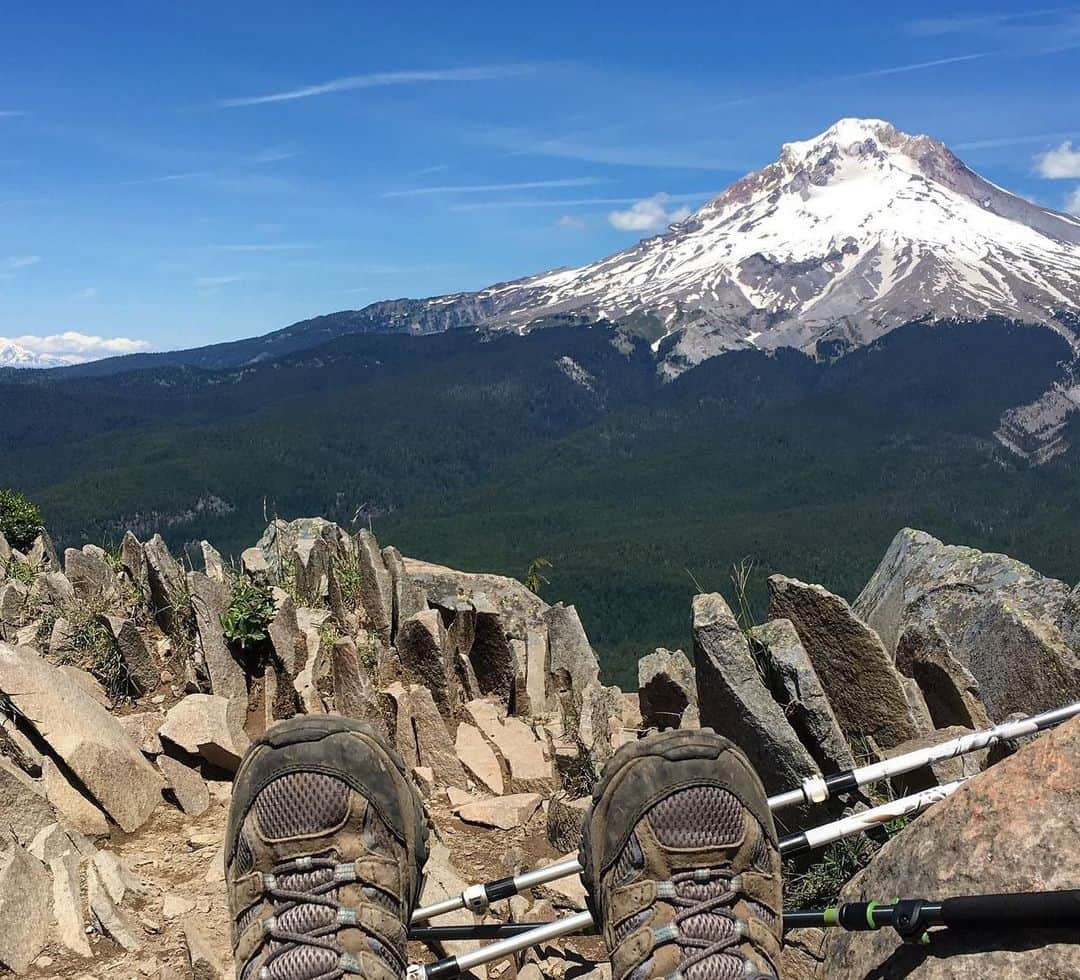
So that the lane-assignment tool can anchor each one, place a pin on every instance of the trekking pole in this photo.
(477, 898)
(913, 916)
(453, 966)
(907, 806)
(817, 789)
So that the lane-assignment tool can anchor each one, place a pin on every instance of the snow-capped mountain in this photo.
(844, 237)
(13, 355)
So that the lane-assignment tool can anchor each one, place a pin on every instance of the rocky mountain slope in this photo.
(14, 355)
(131, 686)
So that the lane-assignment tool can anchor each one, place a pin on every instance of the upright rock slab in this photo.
(409, 598)
(210, 599)
(165, 578)
(796, 688)
(420, 647)
(667, 690)
(24, 908)
(865, 689)
(24, 809)
(82, 733)
(376, 585)
(1003, 621)
(571, 662)
(951, 692)
(735, 701)
(420, 736)
(89, 573)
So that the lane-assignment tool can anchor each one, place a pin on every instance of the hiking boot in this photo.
(323, 854)
(681, 864)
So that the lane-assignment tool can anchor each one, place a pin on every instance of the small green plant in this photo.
(250, 612)
(19, 571)
(20, 520)
(740, 580)
(535, 579)
(92, 646)
(821, 883)
(368, 654)
(329, 634)
(350, 579)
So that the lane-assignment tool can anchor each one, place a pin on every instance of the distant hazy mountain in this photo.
(13, 355)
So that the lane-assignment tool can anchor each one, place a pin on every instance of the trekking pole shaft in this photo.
(817, 789)
(1047, 909)
(478, 897)
(453, 966)
(428, 934)
(908, 806)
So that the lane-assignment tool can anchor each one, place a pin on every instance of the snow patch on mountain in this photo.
(13, 355)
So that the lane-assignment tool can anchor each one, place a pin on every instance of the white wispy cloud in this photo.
(273, 154)
(22, 261)
(87, 292)
(73, 347)
(571, 221)
(213, 282)
(265, 247)
(11, 113)
(381, 79)
(935, 26)
(915, 66)
(168, 178)
(1059, 163)
(1000, 141)
(485, 188)
(562, 202)
(649, 214)
(1072, 202)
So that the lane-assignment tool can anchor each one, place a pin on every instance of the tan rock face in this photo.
(1014, 828)
(478, 758)
(208, 726)
(23, 806)
(864, 687)
(502, 812)
(82, 733)
(25, 895)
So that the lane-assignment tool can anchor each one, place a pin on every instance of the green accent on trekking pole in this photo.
(832, 916)
(870, 906)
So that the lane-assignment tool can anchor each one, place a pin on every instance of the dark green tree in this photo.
(20, 520)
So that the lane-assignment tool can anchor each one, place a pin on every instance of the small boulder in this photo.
(89, 572)
(186, 784)
(208, 726)
(76, 810)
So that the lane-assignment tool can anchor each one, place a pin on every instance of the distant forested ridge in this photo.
(486, 452)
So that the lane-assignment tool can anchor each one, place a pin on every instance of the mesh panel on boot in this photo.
(301, 803)
(701, 816)
(303, 963)
(719, 967)
(629, 862)
(306, 918)
(245, 860)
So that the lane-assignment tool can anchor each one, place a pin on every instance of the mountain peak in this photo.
(843, 133)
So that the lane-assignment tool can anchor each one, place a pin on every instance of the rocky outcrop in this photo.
(209, 727)
(667, 691)
(24, 908)
(1011, 829)
(864, 687)
(950, 690)
(735, 701)
(1002, 620)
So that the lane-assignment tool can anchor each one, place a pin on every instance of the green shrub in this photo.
(250, 612)
(20, 520)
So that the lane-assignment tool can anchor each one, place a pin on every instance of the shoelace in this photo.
(283, 900)
(691, 908)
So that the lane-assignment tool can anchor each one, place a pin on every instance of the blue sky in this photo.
(179, 174)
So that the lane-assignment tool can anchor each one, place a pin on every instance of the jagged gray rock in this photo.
(89, 572)
(210, 600)
(419, 734)
(409, 598)
(492, 658)
(376, 586)
(478, 758)
(166, 582)
(141, 669)
(572, 665)
(797, 689)
(75, 809)
(419, 645)
(864, 687)
(13, 598)
(133, 561)
(950, 689)
(24, 809)
(735, 702)
(24, 908)
(1002, 619)
(354, 693)
(667, 690)
(82, 733)
(213, 563)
